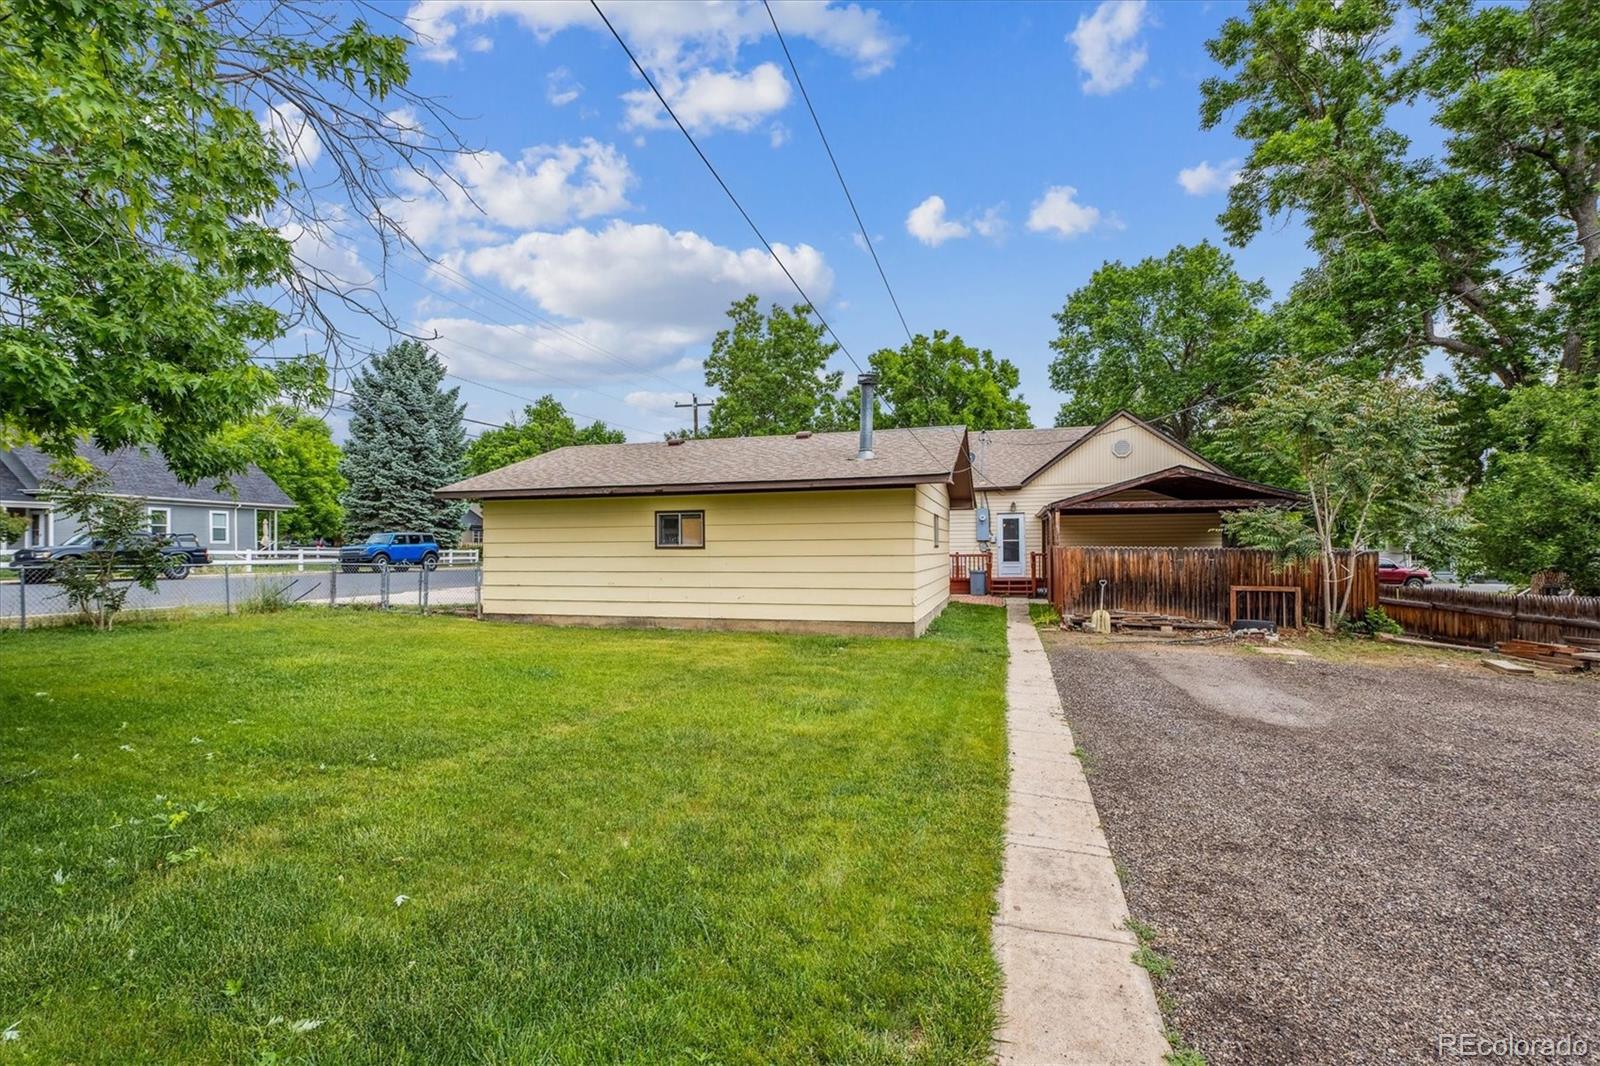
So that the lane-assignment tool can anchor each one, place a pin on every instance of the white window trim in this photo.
(150, 512)
(227, 527)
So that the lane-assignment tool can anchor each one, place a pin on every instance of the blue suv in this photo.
(399, 550)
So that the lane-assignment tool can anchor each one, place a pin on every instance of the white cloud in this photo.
(669, 37)
(1058, 212)
(928, 224)
(288, 125)
(322, 247)
(546, 185)
(481, 43)
(560, 88)
(778, 135)
(992, 223)
(638, 290)
(1109, 51)
(676, 286)
(1203, 179)
(661, 404)
(709, 99)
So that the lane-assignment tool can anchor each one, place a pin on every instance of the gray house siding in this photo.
(188, 508)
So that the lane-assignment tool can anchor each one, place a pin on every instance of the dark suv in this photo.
(399, 550)
(178, 553)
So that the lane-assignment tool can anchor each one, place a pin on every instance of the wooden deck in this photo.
(963, 564)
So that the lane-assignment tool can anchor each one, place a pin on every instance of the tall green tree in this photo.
(1314, 87)
(543, 427)
(1181, 333)
(1364, 451)
(298, 452)
(944, 381)
(406, 440)
(157, 225)
(1539, 507)
(771, 373)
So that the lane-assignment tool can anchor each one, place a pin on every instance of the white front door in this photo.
(1013, 547)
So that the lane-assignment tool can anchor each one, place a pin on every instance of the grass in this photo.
(364, 837)
(1160, 968)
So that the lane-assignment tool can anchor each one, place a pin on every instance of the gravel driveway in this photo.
(1346, 860)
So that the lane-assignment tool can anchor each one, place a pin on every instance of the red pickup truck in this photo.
(1412, 577)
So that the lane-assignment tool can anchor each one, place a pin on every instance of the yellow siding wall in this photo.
(856, 557)
(1143, 531)
(1090, 466)
(931, 567)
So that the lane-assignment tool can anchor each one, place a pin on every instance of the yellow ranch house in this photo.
(856, 533)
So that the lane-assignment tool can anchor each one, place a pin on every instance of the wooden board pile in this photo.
(1563, 658)
(1147, 622)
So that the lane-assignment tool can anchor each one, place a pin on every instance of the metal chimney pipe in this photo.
(869, 384)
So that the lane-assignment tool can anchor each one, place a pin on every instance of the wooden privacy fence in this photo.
(1461, 616)
(1201, 583)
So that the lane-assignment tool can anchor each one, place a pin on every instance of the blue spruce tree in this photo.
(406, 440)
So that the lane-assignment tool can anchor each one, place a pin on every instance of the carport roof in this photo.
(1179, 488)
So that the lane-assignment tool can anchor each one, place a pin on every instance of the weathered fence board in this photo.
(1463, 616)
(1196, 582)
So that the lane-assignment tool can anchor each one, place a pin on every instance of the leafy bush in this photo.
(1369, 625)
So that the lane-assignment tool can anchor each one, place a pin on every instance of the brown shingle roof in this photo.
(1005, 458)
(732, 464)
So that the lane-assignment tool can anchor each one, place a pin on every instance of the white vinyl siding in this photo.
(1091, 465)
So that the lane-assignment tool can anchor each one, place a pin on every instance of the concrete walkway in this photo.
(1072, 992)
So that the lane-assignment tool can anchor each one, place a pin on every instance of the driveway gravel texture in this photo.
(1349, 860)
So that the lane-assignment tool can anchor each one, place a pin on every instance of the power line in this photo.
(862, 226)
(815, 309)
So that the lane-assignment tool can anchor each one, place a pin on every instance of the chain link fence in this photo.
(30, 595)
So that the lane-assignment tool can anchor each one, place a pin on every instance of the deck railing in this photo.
(964, 564)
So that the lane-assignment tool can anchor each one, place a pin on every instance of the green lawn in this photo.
(613, 845)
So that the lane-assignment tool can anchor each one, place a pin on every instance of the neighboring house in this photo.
(828, 532)
(1122, 483)
(241, 519)
(471, 527)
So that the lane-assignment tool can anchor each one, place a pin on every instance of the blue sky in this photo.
(1052, 135)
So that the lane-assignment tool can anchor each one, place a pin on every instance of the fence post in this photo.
(422, 572)
(227, 590)
(383, 587)
(426, 579)
(22, 598)
(333, 585)
(477, 590)
(300, 560)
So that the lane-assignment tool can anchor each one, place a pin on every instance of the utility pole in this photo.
(696, 403)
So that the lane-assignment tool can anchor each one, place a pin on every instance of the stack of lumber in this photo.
(1565, 658)
(1145, 620)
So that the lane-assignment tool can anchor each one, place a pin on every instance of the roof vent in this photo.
(1122, 448)
(868, 382)
(802, 435)
(673, 442)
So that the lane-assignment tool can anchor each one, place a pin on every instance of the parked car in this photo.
(1411, 577)
(178, 553)
(399, 550)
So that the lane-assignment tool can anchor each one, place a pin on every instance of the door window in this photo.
(1011, 539)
